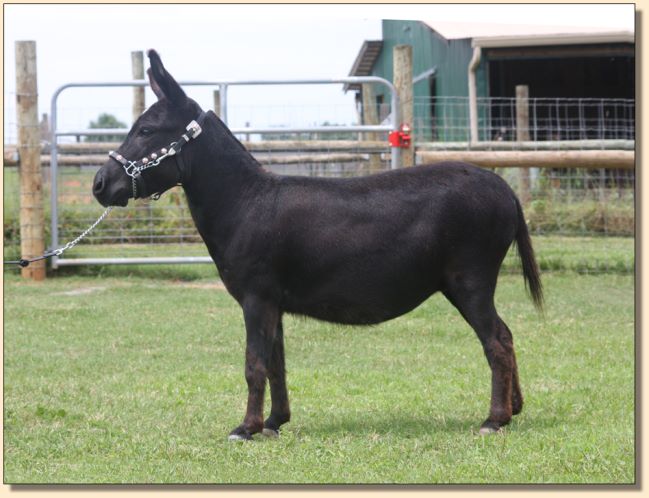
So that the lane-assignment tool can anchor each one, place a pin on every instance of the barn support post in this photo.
(523, 135)
(371, 117)
(137, 67)
(32, 221)
(474, 137)
(402, 56)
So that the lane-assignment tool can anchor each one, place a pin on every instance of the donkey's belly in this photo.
(359, 301)
(336, 311)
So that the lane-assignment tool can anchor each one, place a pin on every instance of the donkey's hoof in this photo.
(270, 433)
(240, 434)
(484, 431)
(238, 437)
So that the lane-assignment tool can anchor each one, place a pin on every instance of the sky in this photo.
(78, 43)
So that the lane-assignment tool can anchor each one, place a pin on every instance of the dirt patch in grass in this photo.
(218, 285)
(80, 291)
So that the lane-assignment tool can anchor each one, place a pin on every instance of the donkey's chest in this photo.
(244, 265)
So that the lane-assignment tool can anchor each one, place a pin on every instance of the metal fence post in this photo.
(395, 105)
(54, 178)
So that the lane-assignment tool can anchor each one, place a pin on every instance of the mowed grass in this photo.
(135, 380)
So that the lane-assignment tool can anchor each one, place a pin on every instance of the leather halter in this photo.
(134, 168)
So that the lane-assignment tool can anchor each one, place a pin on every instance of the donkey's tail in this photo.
(526, 253)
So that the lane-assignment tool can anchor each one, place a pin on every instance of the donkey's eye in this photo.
(145, 132)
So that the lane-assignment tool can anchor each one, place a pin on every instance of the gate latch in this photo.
(401, 137)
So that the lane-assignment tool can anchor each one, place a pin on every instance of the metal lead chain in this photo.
(57, 252)
(71, 244)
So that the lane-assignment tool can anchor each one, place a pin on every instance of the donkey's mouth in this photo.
(119, 199)
(120, 203)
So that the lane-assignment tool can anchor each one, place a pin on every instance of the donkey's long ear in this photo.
(154, 85)
(162, 83)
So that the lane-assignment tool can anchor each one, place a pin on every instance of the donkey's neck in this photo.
(225, 180)
(222, 168)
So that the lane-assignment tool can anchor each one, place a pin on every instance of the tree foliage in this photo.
(106, 120)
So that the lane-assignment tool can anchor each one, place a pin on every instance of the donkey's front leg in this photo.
(261, 320)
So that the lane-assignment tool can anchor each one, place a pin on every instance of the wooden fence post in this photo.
(217, 103)
(523, 135)
(45, 128)
(32, 222)
(137, 67)
(402, 55)
(371, 117)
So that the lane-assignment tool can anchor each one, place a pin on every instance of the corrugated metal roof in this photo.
(365, 61)
(538, 40)
(457, 30)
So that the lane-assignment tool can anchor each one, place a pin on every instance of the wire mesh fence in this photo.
(10, 125)
(566, 202)
(446, 119)
(596, 202)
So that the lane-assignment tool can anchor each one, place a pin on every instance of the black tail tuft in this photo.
(526, 253)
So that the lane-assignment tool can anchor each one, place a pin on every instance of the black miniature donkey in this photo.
(352, 251)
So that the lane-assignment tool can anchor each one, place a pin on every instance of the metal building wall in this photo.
(449, 57)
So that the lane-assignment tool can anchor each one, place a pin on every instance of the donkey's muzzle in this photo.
(107, 193)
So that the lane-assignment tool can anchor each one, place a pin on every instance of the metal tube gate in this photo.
(393, 125)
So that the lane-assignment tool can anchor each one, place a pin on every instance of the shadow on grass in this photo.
(400, 424)
(184, 273)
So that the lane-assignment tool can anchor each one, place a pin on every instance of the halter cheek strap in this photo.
(134, 168)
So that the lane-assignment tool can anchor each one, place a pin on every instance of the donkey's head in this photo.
(156, 134)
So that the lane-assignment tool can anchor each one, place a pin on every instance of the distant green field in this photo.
(136, 380)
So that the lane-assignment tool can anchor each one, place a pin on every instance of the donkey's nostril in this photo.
(99, 184)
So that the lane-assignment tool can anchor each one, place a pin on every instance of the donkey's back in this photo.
(365, 250)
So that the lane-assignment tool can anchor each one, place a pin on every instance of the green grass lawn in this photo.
(131, 380)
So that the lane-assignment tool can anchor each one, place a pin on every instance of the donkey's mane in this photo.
(221, 126)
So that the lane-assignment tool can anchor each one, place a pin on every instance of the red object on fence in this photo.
(401, 137)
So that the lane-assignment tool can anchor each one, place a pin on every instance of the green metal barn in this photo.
(457, 66)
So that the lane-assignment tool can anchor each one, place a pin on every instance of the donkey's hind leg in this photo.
(475, 302)
(280, 412)
(517, 395)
